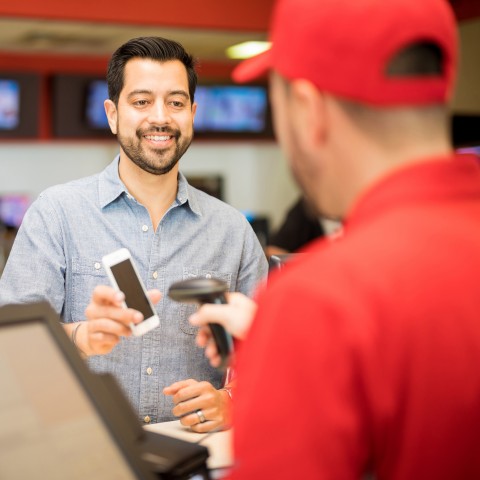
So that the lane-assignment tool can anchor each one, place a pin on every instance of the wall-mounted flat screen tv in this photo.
(231, 109)
(78, 110)
(19, 105)
(9, 104)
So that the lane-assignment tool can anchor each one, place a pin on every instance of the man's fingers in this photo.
(209, 313)
(236, 316)
(204, 335)
(192, 418)
(125, 316)
(200, 397)
(107, 326)
(154, 295)
(175, 387)
(104, 295)
(205, 340)
(211, 353)
(101, 342)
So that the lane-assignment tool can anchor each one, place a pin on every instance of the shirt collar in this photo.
(111, 187)
(186, 194)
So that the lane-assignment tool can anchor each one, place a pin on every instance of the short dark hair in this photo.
(154, 48)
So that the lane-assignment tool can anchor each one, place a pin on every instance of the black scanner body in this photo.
(206, 290)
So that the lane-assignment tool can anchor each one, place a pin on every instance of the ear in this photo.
(309, 114)
(111, 111)
(194, 111)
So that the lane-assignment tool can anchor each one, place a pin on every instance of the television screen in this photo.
(9, 104)
(13, 208)
(232, 109)
(19, 105)
(96, 94)
(78, 110)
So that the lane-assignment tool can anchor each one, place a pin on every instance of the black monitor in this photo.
(59, 420)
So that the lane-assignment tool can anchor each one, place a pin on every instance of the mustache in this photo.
(156, 130)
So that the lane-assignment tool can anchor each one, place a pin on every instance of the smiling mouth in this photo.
(158, 138)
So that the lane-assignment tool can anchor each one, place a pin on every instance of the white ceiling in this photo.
(83, 38)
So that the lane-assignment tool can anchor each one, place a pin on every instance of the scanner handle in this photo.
(201, 291)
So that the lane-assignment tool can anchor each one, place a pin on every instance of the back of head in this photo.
(400, 124)
(365, 51)
(153, 48)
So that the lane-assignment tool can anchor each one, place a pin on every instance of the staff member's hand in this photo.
(236, 316)
(107, 321)
(200, 405)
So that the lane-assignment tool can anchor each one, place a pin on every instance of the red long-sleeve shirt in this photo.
(365, 352)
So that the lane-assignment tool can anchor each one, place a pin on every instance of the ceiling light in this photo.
(247, 49)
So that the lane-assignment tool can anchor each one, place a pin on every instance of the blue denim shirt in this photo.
(57, 257)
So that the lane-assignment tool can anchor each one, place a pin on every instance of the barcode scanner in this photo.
(206, 290)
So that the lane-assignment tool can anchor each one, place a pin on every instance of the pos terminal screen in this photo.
(49, 426)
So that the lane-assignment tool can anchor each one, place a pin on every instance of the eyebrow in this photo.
(183, 93)
(139, 92)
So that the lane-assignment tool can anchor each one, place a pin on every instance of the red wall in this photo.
(248, 15)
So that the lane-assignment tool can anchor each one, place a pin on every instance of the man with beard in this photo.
(174, 232)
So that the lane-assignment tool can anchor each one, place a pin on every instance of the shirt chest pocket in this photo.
(188, 309)
(87, 273)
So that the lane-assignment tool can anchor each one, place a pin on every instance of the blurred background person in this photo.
(300, 226)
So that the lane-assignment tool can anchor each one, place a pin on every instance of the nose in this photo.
(159, 114)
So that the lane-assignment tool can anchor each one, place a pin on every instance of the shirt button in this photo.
(97, 266)
(149, 370)
(145, 228)
(155, 275)
(147, 419)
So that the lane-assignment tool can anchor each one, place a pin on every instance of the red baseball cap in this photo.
(344, 47)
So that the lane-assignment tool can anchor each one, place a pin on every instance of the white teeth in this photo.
(157, 138)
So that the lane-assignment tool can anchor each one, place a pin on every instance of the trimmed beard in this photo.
(138, 156)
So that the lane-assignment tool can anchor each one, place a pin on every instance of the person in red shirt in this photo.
(362, 357)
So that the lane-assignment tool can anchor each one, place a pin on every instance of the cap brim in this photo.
(252, 68)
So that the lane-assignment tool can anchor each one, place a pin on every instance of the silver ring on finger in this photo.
(201, 416)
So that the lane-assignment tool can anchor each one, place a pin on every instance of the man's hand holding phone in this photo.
(124, 277)
(107, 320)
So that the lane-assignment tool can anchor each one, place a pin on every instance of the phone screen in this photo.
(128, 283)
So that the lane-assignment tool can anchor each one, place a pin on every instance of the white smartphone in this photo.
(124, 277)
